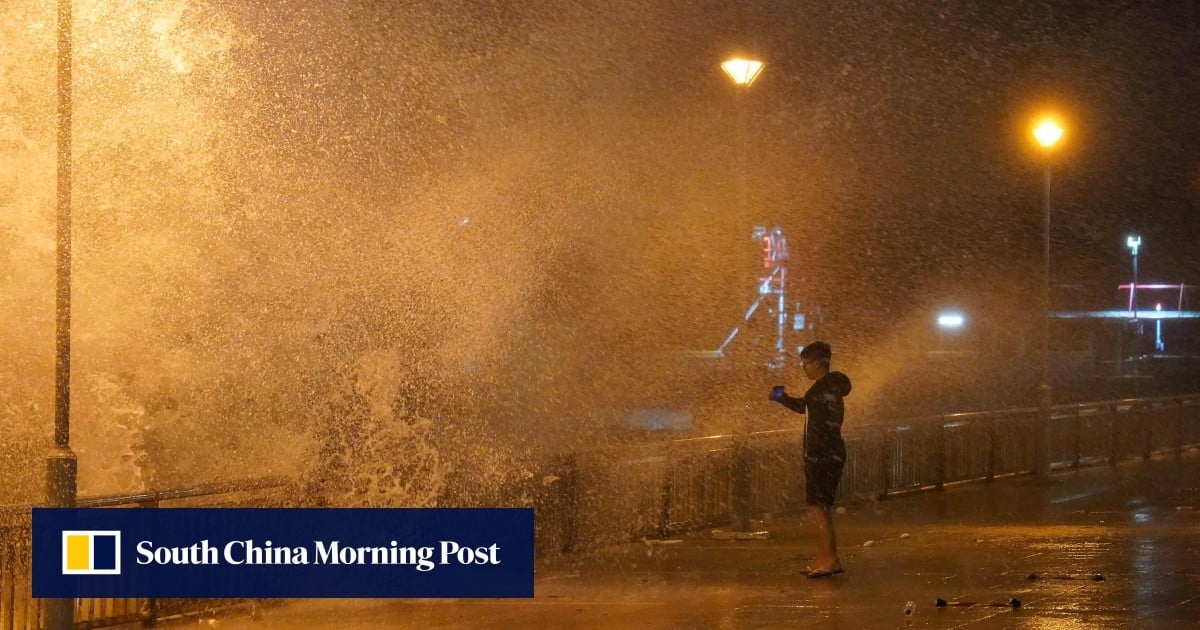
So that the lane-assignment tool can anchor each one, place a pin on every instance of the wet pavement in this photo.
(1136, 526)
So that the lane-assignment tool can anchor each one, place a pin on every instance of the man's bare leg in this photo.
(827, 558)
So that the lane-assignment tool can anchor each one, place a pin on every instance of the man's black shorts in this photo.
(821, 479)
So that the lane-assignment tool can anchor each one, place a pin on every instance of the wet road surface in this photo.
(975, 546)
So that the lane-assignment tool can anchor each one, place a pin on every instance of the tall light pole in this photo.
(743, 72)
(1133, 242)
(61, 465)
(950, 321)
(1047, 133)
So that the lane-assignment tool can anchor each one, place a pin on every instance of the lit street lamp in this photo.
(743, 72)
(1047, 133)
(950, 320)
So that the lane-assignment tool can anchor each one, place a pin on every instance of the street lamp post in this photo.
(1133, 242)
(951, 321)
(61, 465)
(1047, 134)
(743, 72)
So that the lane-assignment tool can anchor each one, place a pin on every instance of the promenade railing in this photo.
(620, 493)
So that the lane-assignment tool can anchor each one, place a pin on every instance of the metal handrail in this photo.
(18, 608)
(209, 489)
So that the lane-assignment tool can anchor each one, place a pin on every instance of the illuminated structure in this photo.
(771, 288)
(1134, 243)
(1135, 315)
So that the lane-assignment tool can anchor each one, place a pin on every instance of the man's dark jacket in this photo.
(823, 404)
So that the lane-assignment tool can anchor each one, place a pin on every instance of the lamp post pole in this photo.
(743, 72)
(61, 465)
(1133, 289)
(744, 152)
(946, 321)
(1044, 393)
(1047, 134)
(1134, 243)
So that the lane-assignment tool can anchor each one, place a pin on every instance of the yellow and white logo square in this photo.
(91, 552)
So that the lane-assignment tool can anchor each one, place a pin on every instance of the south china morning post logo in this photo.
(283, 552)
(250, 552)
(91, 552)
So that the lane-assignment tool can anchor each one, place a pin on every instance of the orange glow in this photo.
(1047, 133)
(742, 71)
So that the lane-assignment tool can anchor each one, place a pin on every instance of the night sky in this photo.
(916, 119)
(892, 141)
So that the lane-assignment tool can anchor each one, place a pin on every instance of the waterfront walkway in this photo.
(1136, 526)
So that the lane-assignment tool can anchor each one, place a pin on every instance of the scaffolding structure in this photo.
(770, 288)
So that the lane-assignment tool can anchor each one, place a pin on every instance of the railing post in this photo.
(570, 504)
(1147, 433)
(149, 612)
(1112, 435)
(885, 464)
(1187, 420)
(61, 471)
(941, 453)
(667, 491)
(708, 495)
(1179, 429)
(992, 454)
(1043, 456)
(1078, 438)
(741, 485)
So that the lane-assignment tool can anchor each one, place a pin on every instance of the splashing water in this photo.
(402, 256)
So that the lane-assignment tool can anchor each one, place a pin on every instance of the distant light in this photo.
(951, 320)
(1047, 133)
(1158, 307)
(742, 71)
(1133, 242)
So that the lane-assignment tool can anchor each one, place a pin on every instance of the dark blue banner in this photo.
(235, 552)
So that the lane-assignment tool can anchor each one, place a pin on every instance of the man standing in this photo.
(824, 449)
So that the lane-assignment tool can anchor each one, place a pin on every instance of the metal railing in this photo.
(615, 495)
(20, 611)
(593, 498)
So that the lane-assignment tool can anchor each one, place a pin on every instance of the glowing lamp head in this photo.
(951, 320)
(1047, 133)
(1133, 242)
(742, 71)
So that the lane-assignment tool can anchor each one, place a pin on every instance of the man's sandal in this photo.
(821, 573)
